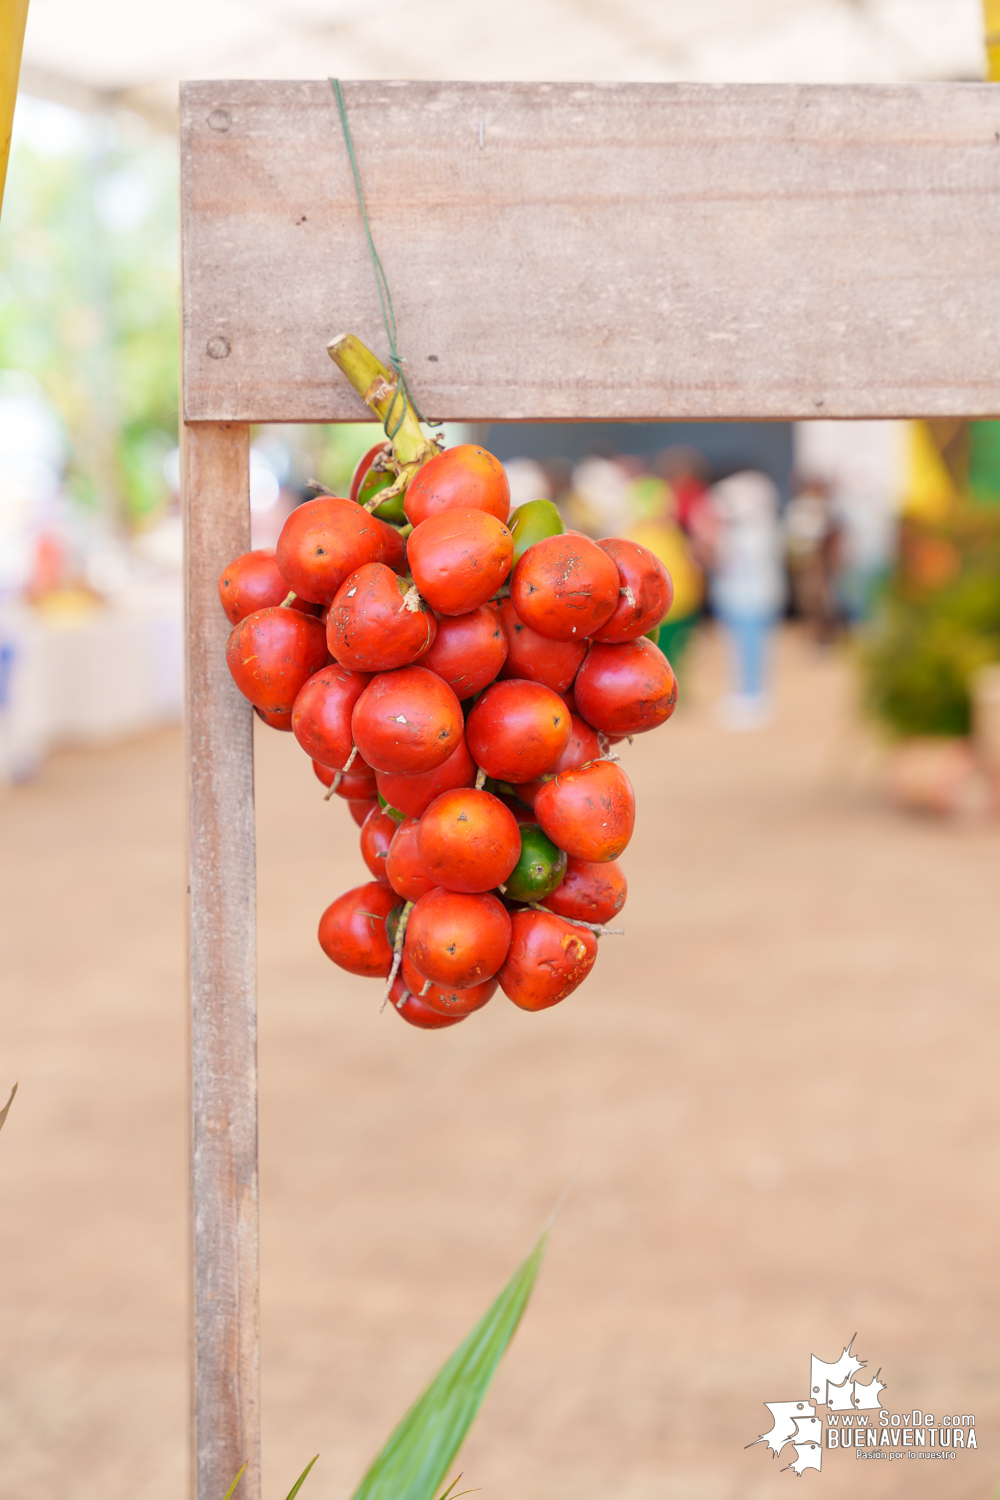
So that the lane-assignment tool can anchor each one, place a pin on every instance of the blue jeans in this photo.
(749, 636)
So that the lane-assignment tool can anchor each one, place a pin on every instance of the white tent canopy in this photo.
(102, 50)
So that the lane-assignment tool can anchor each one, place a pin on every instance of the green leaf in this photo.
(448, 1494)
(10, 1101)
(414, 1461)
(301, 1479)
(228, 1494)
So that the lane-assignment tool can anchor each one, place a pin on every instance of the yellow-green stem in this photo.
(377, 388)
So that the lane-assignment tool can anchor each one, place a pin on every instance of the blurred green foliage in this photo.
(331, 452)
(89, 301)
(89, 305)
(939, 622)
(984, 461)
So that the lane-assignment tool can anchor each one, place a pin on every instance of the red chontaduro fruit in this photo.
(517, 730)
(468, 651)
(395, 545)
(548, 958)
(626, 689)
(415, 1010)
(646, 591)
(564, 587)
(407, 721)
(322, 542)
(462, 478)
(352, 930)
(404, 869)
(459, 558)
(253, 581)
(363, 465)
(581, 747)
(445, 999)
(359, 781)
(468, 841)
(588, 891)
(533, 656)
(456, 939)
(376, 623)
(413, 794)
(377, 833)
(321, 717)
(272, 654)
(274, 721)
(590, 813)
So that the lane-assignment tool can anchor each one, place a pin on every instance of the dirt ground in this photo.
(777, 1092)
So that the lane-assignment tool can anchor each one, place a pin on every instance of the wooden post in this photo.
(222, 956)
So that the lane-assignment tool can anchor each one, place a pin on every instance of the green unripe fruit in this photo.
(373, 483)
(539, 869)
(390, 812)
(531, 522)
(392, 922)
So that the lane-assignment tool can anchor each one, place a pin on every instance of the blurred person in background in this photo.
(741, 535)
(860, 469)
(813, 542)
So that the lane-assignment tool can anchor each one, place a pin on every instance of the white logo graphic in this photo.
(796, 1422)
(849, 1422)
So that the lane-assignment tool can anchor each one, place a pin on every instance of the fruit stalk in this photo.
(379, 389)
(595, 927)
(397, 949)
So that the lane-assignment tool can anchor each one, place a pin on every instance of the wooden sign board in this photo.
(629, 251)
(555, 252)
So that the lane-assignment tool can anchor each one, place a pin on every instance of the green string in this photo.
(403, 391)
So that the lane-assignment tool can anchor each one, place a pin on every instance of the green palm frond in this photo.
(229, 1492)
(291, 1493)
(414, 1461)
(301, 1479)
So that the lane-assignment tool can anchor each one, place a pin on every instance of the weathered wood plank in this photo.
(621, 251)
(222, 956)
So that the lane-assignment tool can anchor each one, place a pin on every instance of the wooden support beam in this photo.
(223, 961)
(587, 251)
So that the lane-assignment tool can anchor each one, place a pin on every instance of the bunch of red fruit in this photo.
(460, 682)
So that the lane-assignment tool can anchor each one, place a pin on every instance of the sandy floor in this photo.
(778, 1092)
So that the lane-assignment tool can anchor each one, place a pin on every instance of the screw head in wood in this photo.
(217, 347)
(219, 119)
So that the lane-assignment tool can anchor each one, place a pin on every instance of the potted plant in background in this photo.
(930, 658)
